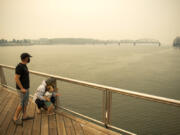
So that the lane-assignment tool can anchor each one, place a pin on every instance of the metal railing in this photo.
(107, 96)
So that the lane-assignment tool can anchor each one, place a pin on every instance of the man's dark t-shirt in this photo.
(22, 70)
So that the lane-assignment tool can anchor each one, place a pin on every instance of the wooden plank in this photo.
(37, 123)
(18, 131)
(60, 125)
(65, 114)
(44, 124)
(4, 103)
(89, 124)
(78, 128)
(3, 96)
(27, 125)
(11, 128)
(92, 131)
(6, 108)
(52, 125)
(9, 116)
(2, 90)
(68, 126)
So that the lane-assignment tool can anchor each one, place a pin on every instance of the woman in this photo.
(39, 97)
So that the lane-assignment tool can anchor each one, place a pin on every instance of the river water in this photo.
(148, 69)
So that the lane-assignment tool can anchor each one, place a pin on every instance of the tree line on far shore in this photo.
(46, 41)
(14, 42)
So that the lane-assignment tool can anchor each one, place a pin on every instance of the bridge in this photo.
(135, 42)
(147, 41)
(66, 121)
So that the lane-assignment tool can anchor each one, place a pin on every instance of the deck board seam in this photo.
(73, 126)
(33, 119)
(11, 119)
(65, 126)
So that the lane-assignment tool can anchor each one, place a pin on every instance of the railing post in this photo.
(107, 104)
(56, 91)
(2, 76)
(57, 98)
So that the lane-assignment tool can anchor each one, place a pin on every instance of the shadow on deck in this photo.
(60, 124)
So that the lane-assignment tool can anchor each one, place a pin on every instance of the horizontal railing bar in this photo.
(122, 130)
(113, 89)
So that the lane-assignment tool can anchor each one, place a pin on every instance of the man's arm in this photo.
(19, 83)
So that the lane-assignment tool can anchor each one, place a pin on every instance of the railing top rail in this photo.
(103, 87)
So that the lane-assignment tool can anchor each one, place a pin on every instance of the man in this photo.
(22, 85)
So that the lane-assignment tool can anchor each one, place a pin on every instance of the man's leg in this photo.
(24, 107)
(19, 107)
(24, 112)
(18, 110)
(25, 103)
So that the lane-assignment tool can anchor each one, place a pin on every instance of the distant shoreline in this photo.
(24, 45)
(74, 41)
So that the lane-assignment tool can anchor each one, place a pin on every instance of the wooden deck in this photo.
(60, 124)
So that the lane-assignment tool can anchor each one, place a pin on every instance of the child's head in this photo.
(50, 88)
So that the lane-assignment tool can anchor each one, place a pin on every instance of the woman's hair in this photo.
(50, 81)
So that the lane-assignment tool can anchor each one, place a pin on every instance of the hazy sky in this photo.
(102, 19)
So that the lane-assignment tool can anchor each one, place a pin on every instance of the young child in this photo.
(48, 94)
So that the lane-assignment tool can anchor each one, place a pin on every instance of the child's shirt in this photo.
(48, 94)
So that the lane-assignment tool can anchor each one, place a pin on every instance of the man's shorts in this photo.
(24, 97)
